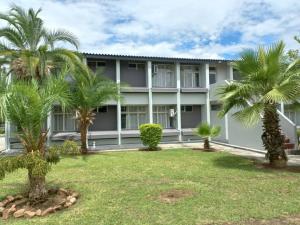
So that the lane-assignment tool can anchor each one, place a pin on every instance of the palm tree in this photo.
(207, 131)
(30, 49)
(266, 82)
(27, 106)
(89, 91)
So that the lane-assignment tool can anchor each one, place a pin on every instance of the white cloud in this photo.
(190, 28)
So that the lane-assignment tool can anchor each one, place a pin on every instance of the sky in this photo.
(173, 28)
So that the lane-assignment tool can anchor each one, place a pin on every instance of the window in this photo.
(212, 75)
(63, 121)
(215, 107)
(133, 116)
(94, 65)
(161, 115)
(236, 75)
(136, 66)
(163, 76)
(103, 109)
(190, 77)
(186, 108)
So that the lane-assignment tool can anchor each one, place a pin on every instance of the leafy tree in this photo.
(27, 104)
(89, 91)
(30, 49)
(266, 82)
(207, 131)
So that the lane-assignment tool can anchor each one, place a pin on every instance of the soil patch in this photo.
(145, 149)
(19, 206)
(174, 195)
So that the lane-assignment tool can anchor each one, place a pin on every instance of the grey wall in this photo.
(110, 69)
(105, 121)
(191, 119)
(133, 77)
(216, 121)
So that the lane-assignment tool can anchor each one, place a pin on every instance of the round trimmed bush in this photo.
(151, 135)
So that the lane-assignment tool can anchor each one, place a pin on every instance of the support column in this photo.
(207, 94)
(118, 80)
(149, 81)
(230, 68)
(49, 128)
(7, 124)
(178, 113)
(282, 107)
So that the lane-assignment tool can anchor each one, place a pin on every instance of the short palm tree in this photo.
(266, 82)
(31, 49)
(90, 90)
(27, 104)
(207, 131)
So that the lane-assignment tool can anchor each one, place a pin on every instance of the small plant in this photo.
(151, 135)
(206, 131)
(67, 148)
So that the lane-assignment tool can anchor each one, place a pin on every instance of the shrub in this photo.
(207, 131)
(151, 135)
(67, 148)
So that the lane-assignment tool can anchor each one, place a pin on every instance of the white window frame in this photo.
(64, 115)
(161, 74)
(135, 110)
(190, 72)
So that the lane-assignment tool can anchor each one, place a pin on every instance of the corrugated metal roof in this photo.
(152, 58)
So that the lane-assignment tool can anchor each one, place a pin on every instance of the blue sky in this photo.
(177, 28)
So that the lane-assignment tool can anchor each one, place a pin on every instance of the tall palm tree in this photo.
(89, 91)
(266, 82)
(27, 106)
(30, 48)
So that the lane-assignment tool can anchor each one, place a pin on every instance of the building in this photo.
(178, 93)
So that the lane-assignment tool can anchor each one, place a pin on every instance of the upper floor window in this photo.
(136, 66)
(186, 108)
(163, 76)
(190, 77)
(212, 75)
(94, 65)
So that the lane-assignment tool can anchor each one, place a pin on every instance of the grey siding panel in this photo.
(191, 119)
(105, 121)
(110, 69)
(133, 77)
(216, 121)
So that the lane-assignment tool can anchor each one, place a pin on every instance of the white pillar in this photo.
(226, 127)
(207, 94)
(7, 125)
(118, 80)
(49, 128)
(230, 68)
(282, 107)
(149, 81)
(177, 65)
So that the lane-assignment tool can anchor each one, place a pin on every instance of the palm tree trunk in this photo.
(206, 143)
(37, 188)
(83, 136)
(272, 138)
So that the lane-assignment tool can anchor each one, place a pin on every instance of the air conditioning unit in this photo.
(172, 113)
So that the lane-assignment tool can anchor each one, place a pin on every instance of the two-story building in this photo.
(178, 93)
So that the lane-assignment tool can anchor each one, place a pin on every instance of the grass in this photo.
(123, 188)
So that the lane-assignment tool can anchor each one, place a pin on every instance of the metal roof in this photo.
(151, 58)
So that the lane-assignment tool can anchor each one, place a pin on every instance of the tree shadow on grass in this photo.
(238, 163)
(250, 164)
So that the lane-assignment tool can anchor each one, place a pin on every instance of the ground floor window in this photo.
(133, 116)
(63, 120)
(164, 115)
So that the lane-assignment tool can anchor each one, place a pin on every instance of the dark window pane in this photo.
(102, 109)
(123, 108)
(101, 64)
(212, 78)
(182, 108)
(188, 108)
(123, 121)
(132, 65)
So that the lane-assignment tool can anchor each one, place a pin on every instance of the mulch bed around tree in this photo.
(174, 195)
(19, 206)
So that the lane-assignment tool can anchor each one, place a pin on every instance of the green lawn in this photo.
(123, 188)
